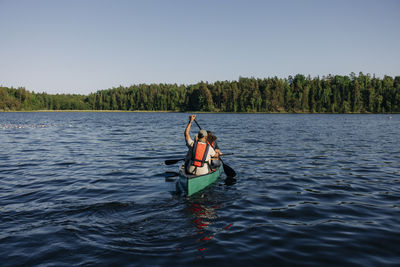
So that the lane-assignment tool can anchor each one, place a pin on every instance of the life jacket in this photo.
(199, 153)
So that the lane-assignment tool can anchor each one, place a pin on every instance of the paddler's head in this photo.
(202, 135)
(210, 137)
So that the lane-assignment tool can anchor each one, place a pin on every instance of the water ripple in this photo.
(93, 189)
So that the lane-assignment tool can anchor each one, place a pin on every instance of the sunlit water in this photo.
(93, 189)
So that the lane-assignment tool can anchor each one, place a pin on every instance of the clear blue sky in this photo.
(83, 46)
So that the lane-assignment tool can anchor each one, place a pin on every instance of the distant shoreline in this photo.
(296, 94)
(187, 112)
(89, 110)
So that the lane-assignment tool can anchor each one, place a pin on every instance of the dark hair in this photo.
(210, 137)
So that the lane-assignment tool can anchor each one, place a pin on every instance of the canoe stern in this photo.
(193, 184)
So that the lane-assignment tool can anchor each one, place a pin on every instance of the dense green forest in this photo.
(329, 94)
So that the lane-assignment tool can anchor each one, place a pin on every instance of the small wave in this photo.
(117, 173)
(104, 207)
(27, 165)
(65, 163)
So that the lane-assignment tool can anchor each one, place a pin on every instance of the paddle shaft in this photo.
(172, 161)
(197, 124)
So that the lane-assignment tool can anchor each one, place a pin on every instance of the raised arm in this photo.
(187, 130)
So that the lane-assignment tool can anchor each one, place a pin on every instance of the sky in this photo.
(81, 46)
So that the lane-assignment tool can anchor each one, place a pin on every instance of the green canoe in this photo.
(192, 184)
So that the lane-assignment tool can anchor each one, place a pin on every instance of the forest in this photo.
(360, 93)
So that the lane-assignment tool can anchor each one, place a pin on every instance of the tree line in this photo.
(360, 93)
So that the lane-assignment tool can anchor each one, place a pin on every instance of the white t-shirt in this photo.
(210, 154)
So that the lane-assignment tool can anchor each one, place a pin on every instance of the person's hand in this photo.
(192, 117)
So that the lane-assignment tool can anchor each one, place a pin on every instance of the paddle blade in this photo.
(172, 161)
(230, 181)
(229, 171)
(170, 176)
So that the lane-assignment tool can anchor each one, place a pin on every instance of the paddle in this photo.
(197, 124)
(173, 161)
(227, 169)
(170, 176)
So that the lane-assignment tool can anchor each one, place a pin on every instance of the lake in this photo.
(92, 189)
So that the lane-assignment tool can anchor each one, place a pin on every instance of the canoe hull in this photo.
(193, 184)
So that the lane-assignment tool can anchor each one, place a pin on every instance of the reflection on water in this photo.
(204, 218)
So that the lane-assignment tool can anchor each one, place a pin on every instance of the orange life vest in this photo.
(199, 154)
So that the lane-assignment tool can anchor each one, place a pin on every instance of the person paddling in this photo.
(198, 160)
(212, 140)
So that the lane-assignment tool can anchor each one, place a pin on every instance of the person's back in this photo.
(200, 152)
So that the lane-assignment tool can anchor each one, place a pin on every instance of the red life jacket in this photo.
(199, 153)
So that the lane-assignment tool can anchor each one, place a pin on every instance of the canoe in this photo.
(192, 184)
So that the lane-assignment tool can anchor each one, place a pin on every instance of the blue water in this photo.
(92, 189)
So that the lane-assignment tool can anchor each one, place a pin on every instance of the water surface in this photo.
(92, 189)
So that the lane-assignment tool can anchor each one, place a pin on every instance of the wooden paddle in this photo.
(227, 169)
